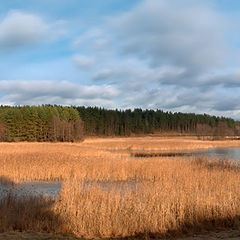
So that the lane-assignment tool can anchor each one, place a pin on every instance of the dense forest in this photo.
(57, 123)
(99, 121)
(40, 123)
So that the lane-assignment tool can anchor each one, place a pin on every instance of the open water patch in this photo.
(222, 153)
(33, 188)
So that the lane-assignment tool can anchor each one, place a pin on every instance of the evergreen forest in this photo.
(100, 121)
(58, 123)
(40, 123)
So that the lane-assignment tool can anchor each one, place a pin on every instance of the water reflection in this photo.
(229, 153)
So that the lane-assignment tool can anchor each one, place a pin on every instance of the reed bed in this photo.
(157, 143)
(183, 196)
(29, 213)
(111, 194)
(104, 159)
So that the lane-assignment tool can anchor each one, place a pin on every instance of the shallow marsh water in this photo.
(33, 188)
(224, 153)
(53, 189)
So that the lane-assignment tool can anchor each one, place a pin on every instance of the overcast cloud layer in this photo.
(171, 55)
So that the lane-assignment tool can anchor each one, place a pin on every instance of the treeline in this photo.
(99, 121)
(57, 123)
(40, 123)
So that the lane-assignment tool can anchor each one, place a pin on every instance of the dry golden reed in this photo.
(109, 193)
(102, 159)
(183, 196)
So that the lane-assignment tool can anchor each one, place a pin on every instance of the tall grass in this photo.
(184, 196)
(103, 159)
(29, 213)
(111, 194)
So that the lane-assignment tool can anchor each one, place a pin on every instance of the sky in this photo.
(152, 54)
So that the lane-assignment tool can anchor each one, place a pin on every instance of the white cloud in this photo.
(19, 29)
(38, 92)
(180, 33)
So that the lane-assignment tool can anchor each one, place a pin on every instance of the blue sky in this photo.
(171, 55)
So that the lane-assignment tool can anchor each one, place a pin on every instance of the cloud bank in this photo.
(19, 92)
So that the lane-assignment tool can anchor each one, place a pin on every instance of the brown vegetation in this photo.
(28, 213)
(182, 196)
(62, 131)
(107, 193)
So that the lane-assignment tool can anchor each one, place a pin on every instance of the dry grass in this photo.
(157, 143)
(111, 194)
(28, 214)
(102, 159)
(183, 196)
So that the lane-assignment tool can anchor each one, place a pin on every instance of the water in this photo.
(224, 153)
(52, 190)
(35, 188)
